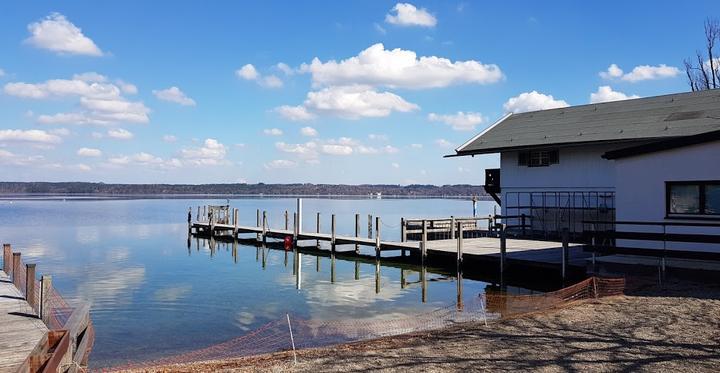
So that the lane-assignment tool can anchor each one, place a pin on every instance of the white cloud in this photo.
(334, 149)
(2, 73)
(408, 15)
(12, 159)
(354, 102)
(120, 134)
(605, 93)
(145, 159)
(416, 146)
(83, 167)
(395, 165)
(309, 132)
(280, 164)
(174, 94)
(532, 101)
(294, 113)
(35, 136)
(60, 131)
(270, 81)
(398, 68)
(378, 137)
(273, 132)
(89, 152)
(90, 77)
(127, 88)
(379, 28)
(212, 153)
(443, 143)
(102, 102)
(249, 72)
(613, 72)
(640, 73)
(169, 138)
(307, 150)
(59, 35)
(285, 68)
(459, 121)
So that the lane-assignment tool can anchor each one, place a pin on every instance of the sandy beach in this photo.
(654, 328)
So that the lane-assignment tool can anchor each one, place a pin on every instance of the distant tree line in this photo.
(244, 189)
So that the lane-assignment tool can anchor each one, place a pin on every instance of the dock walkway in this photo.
(516, 249)
(20, 329)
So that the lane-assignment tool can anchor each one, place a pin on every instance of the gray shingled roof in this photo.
(659, 117)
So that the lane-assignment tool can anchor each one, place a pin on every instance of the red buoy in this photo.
(288, 241)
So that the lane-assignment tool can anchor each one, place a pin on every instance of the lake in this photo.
(152, 296)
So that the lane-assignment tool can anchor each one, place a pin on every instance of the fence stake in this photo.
(292, 339)
(7, 258)
(45, 304)
(30, 286)
(16, 270)
(565, 244)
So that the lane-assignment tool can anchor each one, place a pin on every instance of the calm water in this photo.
(151, 296)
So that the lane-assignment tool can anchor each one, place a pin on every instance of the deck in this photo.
(21, 330)
(548, 252)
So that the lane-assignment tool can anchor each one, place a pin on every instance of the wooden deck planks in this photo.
(19, 333)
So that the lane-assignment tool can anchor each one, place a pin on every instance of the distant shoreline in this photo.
(102, 196)
(260, 190)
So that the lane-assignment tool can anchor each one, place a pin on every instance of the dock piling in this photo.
(565, 245)
(369, 226)
(403, 231)
(7, 258)
(16, 269)
(45, 303)
(452, 227)
(236, 222)
(264, 225)
(332, 231)
(299, 215)
(503, 248)
(287, 220)
(357, 232)
(459, 244)
(30, 286)
(377, 237)
(317, 217)
(424, 240)
(257, 219)
(295, 228)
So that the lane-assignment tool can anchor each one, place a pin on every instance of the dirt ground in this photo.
(675, 327)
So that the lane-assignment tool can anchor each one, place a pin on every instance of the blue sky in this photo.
(320, 92)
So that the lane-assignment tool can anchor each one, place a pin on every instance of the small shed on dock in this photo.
(649, 159)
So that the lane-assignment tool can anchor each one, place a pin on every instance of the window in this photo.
(538, 158)
(692, 198)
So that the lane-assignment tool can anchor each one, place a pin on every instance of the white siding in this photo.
(640, 186)
(579, 169)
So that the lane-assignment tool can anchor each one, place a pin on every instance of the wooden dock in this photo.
(21, 330)
(459, 237)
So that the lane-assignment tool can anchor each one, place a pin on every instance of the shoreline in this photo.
(671, 327)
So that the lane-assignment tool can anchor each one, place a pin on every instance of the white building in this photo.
(649, 160)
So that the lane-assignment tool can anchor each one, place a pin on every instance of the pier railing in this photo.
(67, 345)
(690, 240)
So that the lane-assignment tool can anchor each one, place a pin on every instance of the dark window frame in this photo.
(702, 214)
(551, 157)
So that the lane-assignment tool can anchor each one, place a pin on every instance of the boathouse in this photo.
(651, 160)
